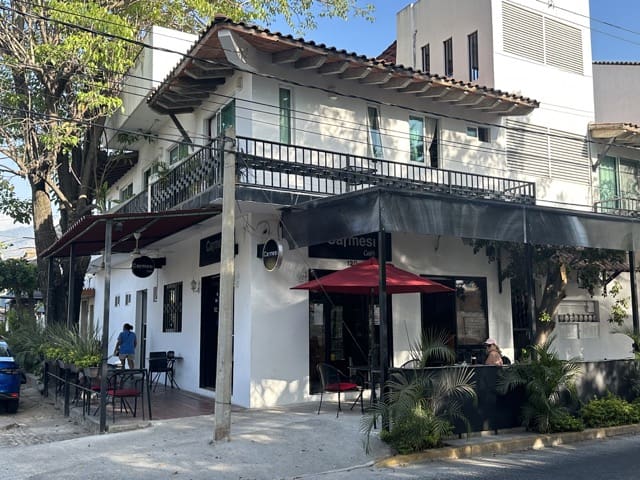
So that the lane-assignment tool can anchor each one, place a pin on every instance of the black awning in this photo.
(87, 235)
(380, 209)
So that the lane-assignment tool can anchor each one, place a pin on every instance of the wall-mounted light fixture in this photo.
(195, 286)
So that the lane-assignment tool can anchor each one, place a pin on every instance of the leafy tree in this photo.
(553, 267)
(18, 276)
(62, 64)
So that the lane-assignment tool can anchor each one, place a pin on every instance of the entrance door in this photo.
(141, 326)
(209, 311)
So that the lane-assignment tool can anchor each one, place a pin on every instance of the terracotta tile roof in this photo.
(206, 66)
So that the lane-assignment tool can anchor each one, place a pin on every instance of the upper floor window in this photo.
(416, 139)
(375, 138)
(619, 180)
(472, 41)
(284, 99)
(126, 193)
(426, 58)
(172, 308)
(178, 152)
(481, 133)
(448, 57)
(223, 119)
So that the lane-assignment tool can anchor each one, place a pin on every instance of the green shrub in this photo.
(609, 411)
(548, 382)
(565, 422)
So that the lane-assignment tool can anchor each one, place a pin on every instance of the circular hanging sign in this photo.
(272, 255)
(142, 266)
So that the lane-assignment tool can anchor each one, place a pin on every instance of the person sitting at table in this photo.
(494, 355)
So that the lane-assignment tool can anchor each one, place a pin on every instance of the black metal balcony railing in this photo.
(269, 165)
(622, 206)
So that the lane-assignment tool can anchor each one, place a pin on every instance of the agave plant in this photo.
(548, 382)
(421, 405)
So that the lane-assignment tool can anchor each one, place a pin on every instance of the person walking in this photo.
(126, 346)
(494, 355)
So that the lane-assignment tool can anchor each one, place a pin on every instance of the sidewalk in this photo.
(278, 443)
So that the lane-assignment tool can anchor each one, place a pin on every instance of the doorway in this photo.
(141, 326)
(209, 317)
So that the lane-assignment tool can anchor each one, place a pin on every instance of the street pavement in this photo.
(279, 443)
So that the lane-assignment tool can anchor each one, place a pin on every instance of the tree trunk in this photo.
(555, 290)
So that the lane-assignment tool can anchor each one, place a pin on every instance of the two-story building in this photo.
(479, 129)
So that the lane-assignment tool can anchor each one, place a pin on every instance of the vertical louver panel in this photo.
(528, 149)
(541, 39)
(563, 46)
(522, 32)
(569, 157)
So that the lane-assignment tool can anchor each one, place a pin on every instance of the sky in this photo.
(615, 30)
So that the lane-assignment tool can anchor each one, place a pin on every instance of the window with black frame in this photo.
(172, 308)
(462, 313)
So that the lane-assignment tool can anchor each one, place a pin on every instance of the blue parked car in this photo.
(11, 378)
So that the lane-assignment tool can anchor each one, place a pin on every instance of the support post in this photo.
(49, 306)
(382, 303)
(222, 430)
(531, 293)
(105, 324)
(634, 292)
(71, 284)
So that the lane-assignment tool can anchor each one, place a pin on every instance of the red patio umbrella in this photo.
(363, 278)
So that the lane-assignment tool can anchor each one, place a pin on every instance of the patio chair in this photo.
(159, 364)
(334, 381)
(125, 387)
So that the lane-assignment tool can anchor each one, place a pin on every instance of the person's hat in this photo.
(490, 341)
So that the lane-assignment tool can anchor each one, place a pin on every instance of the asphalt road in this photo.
(617, 458)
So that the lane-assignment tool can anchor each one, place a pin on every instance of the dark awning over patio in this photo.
(380, 209)
(87, 235)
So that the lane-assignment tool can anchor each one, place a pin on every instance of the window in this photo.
(619, 184)
(172, 308)
(127, 299)
(126, 193)
(375, 139)
(285, 115)
(472, 41)
(178, 152)
(431, 140)
(416, 139)
(481, 133)
(116, 301)
(448, 57)
(223, 119)
(426, 58)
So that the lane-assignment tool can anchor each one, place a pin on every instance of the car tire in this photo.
(12, 406)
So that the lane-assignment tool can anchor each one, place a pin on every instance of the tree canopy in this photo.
(62, 69)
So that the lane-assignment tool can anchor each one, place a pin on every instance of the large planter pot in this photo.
(91, 372)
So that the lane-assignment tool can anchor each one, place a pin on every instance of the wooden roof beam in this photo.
(376, 78)
(309, 63)
(355, 73)
(398, 83)
(416, 87)
(287, 56)
(333, 68)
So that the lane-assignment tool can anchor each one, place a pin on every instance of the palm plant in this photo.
(547, 381)
(421, 404)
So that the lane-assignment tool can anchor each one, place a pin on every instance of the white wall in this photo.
(616, 92)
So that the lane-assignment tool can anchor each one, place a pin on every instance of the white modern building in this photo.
(479, 129)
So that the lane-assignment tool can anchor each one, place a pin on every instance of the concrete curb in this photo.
(526, 442)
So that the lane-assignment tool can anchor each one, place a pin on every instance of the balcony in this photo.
(621, 206)
(264, 167)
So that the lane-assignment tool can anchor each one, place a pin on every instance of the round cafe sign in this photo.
(272, 255)
(142, 266)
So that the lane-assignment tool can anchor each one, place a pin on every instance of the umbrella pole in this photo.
(382, 305)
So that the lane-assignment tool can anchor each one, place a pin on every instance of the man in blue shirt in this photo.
(126, 345)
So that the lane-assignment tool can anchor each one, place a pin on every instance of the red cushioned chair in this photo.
(334, 381)
(125, 387)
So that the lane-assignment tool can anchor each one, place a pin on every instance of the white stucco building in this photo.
(477, 121)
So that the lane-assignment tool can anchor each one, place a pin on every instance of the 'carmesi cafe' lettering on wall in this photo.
(351, 248)
(210, 248)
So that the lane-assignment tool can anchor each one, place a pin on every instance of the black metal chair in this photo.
(335, 381)
(125, 387)
(158, 365)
